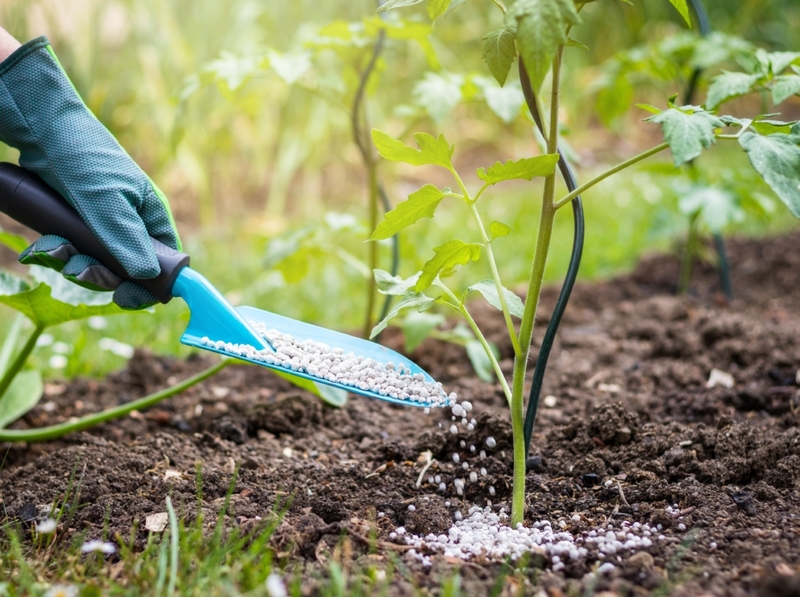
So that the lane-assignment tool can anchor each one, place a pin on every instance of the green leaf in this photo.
(437, 8)
(336, 397)
(420, 204)
(391, 4)
(15, 242)
(415, 300)
(448, 257)
(435, 151)
(683, 8)
(573, 43)
(777, 159)
(418, 326)
(687, 132)
(770, 127)
(498, 229)
(480, 360)
(22, 395)
(54, 302)
(438, 94)
(784, 87)
(10, 343)
(780, 61)
(717, 208)
(541, 28)
(525, 169)
(290, 67)
(394, 285)
(489, 291)
(727, 86)
(649, 108)
(499, 52)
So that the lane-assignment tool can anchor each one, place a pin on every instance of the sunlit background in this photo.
(241, 112)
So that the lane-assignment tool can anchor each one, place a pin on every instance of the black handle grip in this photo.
(30, 201)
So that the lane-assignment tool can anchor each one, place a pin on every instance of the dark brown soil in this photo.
(628, 376)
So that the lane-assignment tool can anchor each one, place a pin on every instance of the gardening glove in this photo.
(42, 115)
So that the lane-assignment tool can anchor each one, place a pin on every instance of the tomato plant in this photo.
(537, 32)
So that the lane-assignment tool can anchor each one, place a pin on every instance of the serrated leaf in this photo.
(480, 361)
(541, 28)
(391, 4)
(437, 8)
(498, 52)
(777, 159)
(418, 326)
(770, 127)
(21, 396)
(15, 242)
(524, 169)
(448, 257)
(435, 151)
(394, 285)
(716, 208)
(336, 397)
(438, 94)
(420, 204)
(415, 300)
(489, 291)
(729, 85)
(687, 133)
(55, 302)
(683, 9)
(780, 61)
(498, 229)
(784, 87)
(733, 121)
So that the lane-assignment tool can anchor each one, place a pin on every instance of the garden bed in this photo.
(629, 432)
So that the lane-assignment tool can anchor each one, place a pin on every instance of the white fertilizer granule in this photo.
(484, 534)
(319, 360)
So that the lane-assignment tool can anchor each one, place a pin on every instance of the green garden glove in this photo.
(59, 139)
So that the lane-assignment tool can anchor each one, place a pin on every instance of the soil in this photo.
(629, 429)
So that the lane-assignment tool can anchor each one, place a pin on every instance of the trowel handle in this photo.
(30, 201)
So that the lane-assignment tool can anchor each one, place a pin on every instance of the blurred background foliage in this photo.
(240, 110)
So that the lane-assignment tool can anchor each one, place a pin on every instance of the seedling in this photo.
(538, 32)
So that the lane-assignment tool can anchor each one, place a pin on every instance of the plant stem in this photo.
(601, 177)
(479, 335)
(500, 5)
(487, 243)
(19, 361)
(535, 282)
(56, 431)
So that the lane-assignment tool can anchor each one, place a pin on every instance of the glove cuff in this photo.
(22, 51)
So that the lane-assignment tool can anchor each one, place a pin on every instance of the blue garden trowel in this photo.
(31, 202)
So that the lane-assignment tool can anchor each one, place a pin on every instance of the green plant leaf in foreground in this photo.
(489, 291)
(448, 258)
(499, 52)
(437, 8)
(480, 361)
(777, 159)
(420, 204)
(394, 285)
(21, 396)
(525, 169)
(435, 151)
(54, 302)
(328, 394)
(541, 27)
(688, 131)
(414, 300)
(729, 85)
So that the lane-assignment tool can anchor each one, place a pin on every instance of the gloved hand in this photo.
(42, 115)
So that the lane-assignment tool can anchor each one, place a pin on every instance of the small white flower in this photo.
(61, 590)
(101, 546)
(275, 586)
(47, 526)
